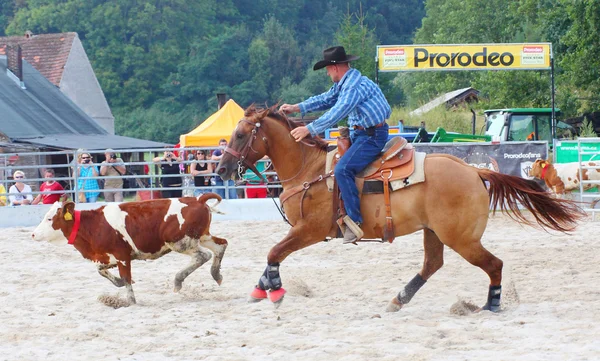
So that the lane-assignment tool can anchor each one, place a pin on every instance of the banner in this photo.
(532, 56)
(567, 151)
(515, 158)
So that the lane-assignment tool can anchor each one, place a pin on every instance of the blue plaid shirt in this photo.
(354, 96)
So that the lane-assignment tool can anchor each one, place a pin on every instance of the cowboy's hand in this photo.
(289, 108)
(300, 133)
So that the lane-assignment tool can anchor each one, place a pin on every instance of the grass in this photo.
(452, 120)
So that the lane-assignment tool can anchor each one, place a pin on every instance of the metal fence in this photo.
(142, 180)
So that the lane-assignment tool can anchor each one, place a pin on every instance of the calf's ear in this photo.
(68, 209)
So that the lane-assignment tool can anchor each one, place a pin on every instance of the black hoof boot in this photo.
(493, 300)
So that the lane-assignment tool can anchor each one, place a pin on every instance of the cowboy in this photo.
(360, 99)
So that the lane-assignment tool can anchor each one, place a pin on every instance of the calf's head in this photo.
(56, 223)
(537, 168)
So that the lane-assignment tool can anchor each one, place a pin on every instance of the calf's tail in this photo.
(207, 196)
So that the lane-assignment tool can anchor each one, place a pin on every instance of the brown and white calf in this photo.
(116, 234)
(564, 177)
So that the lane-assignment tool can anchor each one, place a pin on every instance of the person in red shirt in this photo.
(50, 186)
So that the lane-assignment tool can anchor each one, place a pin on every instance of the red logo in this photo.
(533, 49)
(394, 51)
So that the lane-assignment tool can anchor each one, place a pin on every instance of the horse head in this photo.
(248, 144)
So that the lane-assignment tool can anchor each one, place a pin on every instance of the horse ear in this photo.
(263, 114)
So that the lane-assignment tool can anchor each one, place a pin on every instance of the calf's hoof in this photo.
(394, 305)
(177, 286)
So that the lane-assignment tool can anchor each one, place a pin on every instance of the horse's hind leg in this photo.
(433, 261)
(478, 256)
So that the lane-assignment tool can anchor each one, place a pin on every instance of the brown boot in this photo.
(352, 233)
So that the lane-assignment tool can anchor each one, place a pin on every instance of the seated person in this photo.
(50, 185)
(19, 193)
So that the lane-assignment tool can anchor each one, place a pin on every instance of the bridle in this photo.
(242, 155)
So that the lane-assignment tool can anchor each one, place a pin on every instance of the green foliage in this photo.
(358, 39)
(452, 120)
(582, 61)
(155, 124)
(161, 62)
(587, 130)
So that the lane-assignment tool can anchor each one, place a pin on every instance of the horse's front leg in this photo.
(270, 284)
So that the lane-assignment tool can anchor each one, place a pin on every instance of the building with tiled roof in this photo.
(62, 60)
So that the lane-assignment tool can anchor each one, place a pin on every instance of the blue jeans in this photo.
(221, 191)
(362, 152)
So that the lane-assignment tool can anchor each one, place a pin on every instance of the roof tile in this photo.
(47, 53)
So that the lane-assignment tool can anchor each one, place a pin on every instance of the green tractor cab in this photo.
(522, 124)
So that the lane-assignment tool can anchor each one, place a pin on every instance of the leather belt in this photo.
(358, 127)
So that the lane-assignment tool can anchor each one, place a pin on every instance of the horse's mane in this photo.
(253, 110)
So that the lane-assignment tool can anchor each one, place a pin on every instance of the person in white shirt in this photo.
(19, 193)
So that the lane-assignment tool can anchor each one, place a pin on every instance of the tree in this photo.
(582, 60)
(358, 39)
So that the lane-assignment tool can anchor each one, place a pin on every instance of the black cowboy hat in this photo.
(334, 55)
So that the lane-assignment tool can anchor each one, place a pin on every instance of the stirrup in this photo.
(353, 233)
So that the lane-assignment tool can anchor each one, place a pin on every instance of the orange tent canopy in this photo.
(218, 126)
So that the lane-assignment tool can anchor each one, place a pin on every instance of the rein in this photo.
(242, 155)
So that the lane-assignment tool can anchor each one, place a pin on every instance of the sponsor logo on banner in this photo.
(482, 161)
(525, 168)
(394, 57)
(533, 55)
(529, 155)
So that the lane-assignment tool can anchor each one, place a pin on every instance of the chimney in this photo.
(15, 60)
(28, 34)
(221, 99)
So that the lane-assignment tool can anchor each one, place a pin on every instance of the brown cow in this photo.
(116, 234)
(564, 177)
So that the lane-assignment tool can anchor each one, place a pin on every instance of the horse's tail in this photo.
(508, 191)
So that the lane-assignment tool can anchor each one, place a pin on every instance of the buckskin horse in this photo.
(451, 206)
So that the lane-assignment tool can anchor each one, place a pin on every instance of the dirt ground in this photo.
(52, 305)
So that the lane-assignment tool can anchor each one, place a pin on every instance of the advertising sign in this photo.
(532, 56)
(515, 158)
(567, 151)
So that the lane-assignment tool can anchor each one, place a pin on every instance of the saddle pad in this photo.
(417, 176)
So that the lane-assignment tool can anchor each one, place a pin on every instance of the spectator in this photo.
(113, 167)
(216, 156)
(88, 170)
(199, 170)
(2, 195)
(19, 193)
(401, 126)
(169, 166)
(256, 187)
(50, 185)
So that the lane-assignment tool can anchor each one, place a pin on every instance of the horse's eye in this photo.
(239, 135)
